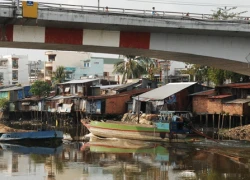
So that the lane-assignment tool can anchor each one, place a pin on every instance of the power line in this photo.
(190, 3)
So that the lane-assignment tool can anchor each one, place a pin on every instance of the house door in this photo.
(143, 106)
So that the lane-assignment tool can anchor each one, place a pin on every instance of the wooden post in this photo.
(213, 121)
(246, 120)
(230, 119)
(206, 120)
(219, 122)
(200, 119)
(222, 121)
(241, 120)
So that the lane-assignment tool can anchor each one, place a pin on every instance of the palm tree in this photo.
(58, 75)
(133, 67)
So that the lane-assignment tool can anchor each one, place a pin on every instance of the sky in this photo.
(191, 6)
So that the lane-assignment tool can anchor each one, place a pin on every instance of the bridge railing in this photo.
(135, 12)
(129, 12)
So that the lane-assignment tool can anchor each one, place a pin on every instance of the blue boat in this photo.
(36, 137)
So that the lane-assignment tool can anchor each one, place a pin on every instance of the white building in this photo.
(14, 70)
(63, 58)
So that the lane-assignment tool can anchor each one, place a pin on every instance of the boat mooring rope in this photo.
(204, 135)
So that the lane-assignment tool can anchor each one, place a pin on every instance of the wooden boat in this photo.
(162, 131)
(36, 137)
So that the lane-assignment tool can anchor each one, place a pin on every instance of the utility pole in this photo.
(98, 4)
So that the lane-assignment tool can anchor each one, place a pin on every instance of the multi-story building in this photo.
(170, 71)
(70, 60)
(36, 70)
(79, 65)
(14, 69)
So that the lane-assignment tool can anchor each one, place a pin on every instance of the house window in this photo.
(86, 64)
(52, 57)
(14, 75)
(14, 63)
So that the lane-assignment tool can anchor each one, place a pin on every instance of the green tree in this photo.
(133, 67)
(40, 88)
(59, 75)
(226, 13)
(4, 102)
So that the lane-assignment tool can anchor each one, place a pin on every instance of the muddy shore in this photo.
(237, 133)
(6, 129)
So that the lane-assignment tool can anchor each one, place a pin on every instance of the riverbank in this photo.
(237, 133)
(6, 129)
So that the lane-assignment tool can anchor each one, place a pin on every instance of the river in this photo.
(105, 161)
(126, 160)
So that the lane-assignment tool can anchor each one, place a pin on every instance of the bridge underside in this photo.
(226, 64)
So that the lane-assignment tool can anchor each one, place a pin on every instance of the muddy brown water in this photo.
(79, 160)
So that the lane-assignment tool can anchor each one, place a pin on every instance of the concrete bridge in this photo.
(196, 38)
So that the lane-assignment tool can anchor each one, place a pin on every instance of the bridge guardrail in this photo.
(130, 12)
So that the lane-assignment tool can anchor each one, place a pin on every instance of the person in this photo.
(153, 11)
(107, 9)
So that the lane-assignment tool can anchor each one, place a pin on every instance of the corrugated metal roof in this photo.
(80, 81)
(243, 87)
(11, 89)
(234, 85)
(61, 97)
(131, 92)
(124, 86)
(204, 93)
(165, 91)
(220, 96)
(108, 86)
(238, 101)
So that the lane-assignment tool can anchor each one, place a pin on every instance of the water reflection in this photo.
(124, 160)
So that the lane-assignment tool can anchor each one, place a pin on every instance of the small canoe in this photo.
(33, 136)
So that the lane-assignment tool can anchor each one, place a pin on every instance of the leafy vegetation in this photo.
(40, 88)
(59, 75)
(226, 13)
(135, 67)
(3, 104)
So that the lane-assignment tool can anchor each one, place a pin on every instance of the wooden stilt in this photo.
(200, 119)
(246, 120)
(241, 120)
(213, 121)
(206, 120)
(230, 121)
(219, 122)
(222, 121)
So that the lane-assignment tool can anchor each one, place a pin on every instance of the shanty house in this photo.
(172, 96)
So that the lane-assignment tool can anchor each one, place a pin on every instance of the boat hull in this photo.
(34, 137)
(134, 132)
